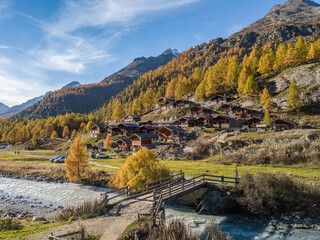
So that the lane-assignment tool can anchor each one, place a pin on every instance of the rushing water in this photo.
(239, 226)
(48, 194)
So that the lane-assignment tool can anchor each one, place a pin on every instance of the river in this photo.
(15, 193)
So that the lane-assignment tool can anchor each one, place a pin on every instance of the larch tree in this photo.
(254, 58)
(181, 88)
(251, 87)
(293, 97)
(233, 72)
(265, 100)
(312, 52)
(118, 112)
(54, 135)
(267, 119)
(200, 93)
(280, 57)
(244, 74)
(107, 142)
(66, 132)
(135, 107)
(171, 88)
(290, 56)
(266, 62)
(76, 161)
(148, 99)
(301, 50)
(73, 134)
(139, 169)
(89, 126)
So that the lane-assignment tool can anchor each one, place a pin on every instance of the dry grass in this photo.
(8, 224)
(282, 154)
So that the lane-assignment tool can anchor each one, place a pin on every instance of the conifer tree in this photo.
(251, 87)
(148, 99)
(200, 93)
(171, 88)
(76, 160)
(73, 134)
(293, 98)
(267, 119)
(34, 138)
(312, 52)
(135, 107)
(265, 100)
(266, 62)
(107, 142)
(280, 57)
(118, 112)
(233, 72)
(89, 126)
(243, 76)
(254, 58)
(181, 88)
(301, 50)
(54, 135)
(66, 132)
(290, 56)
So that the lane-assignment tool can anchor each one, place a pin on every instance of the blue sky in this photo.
(45, 44)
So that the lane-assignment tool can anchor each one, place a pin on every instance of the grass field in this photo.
(195, 168)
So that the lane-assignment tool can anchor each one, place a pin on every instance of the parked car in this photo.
(54, 158)
(93, 154)
(60, 159)
(101, 156)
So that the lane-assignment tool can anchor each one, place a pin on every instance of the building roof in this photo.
(230, 105)
(188, 118)
(145, 121)
(113, 126)
(260, 119)
(222, 116)
(100, 126)
(166, 98)
(133, 116)
(144, 135)
(129, 125)
(204, 108)
(150, 127)
(286, 120)
(205, 117)
(261, 125)
(174, 128)
(125, 140)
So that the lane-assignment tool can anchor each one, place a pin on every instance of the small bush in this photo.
(274, 194)
(9, 224)
(176, 230)
(85, 209)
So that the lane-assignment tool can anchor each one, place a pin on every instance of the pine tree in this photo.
(293, 98)
(54, 135)
(66, 132)
(251, 87)
(267, 119)
(265, 100)
(301, 50)
(118, 112)
(280, 57)
(107, 142)
(76, 160)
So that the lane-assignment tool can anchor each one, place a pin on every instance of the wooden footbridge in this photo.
(165, 189)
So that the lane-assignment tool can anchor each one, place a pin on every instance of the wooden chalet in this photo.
(98, 129)
(182, 103)
(261, 127)
(145, 123)
(124, 144)
(113, 130)
(188, 122)
(225, 122)
(128, 129)
(168, 123)
(167, 103)
(143, 140)
(220, 99)
(205, 121)
(254, 113)
(148, 129)
(131, 119)
(170, 133)
(284, 124)
(254, 121)
(201, 111)
(239, 112)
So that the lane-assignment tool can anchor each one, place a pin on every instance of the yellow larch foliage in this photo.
(139, 169)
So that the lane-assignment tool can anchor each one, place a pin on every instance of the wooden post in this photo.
(127, 191)
(138, 219)
(147, 186)
(170, 189)
(183, 186)
(194, 182)
(203, 177)
(222, 178)
(154, 196)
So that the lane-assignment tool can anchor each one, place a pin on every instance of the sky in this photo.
(45, 44)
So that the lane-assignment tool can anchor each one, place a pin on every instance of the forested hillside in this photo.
(231, 65)
(86, 98)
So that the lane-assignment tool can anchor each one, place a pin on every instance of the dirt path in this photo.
(92, 161)
(110, 226)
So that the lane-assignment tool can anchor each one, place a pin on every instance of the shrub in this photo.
(274, 194)
(139, 169)
(9, 224)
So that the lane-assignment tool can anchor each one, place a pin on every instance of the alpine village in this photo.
(221, 141)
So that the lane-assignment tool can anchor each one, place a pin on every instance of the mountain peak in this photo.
(289, 13)
(169, 51)
(71, 84)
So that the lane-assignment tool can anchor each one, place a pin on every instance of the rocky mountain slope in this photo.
(85, 98)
